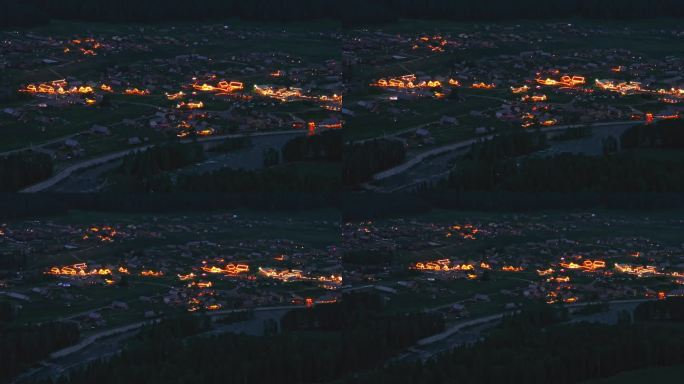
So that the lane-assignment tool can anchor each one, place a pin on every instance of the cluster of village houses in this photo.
(151, 82)
(200, 275)
(559, 269)
(501, 75)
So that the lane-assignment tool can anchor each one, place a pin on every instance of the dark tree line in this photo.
(142, 171)
(320, 344)
(500, 165)
(506, 146)
(282, 179)
(22, 169)
(161, 158)
(671, 309)
(663, 134)
(37, 205)
(361, 315)
(537, 349)
(568, 173)
(324, 147)
(360, 161)
(23, 346)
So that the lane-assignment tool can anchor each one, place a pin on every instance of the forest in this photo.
(21, 169)
(537, 347)
(572, 173)
(671, 309)
(506, 164)
(282, 179)
(21, 346)
(142, 171)
(361, 161)
(666, 134)
(13, 206)
(349, 341)
(324, 147)
(319, 344)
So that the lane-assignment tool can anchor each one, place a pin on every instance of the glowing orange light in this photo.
(566, 81)
(483, 85)
(137, 92)
(534, 98)
(175, 96)
(188, 276)
(190, 105)
(152, 273)
(522, 89)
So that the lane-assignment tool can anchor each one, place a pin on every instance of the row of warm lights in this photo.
(482, 85)
(637, 270)
(408, 81)
(521, 89)
(283, 94)
(81, 269)
(444, 265)
(564, 81)
(625, 88)
(57, 87)
(552, 298)
(190, 105)
(229, 269)
(200, 284)
(558, 279)
(208, 307)
(222, 87)
(534, 98)
(60, 87)
(587, 265)
(509, 268)
(152, 273)
(295, 274)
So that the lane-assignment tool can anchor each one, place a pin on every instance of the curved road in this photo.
(470, 331)
(65, 173)
(460, 146)
(107, 343)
